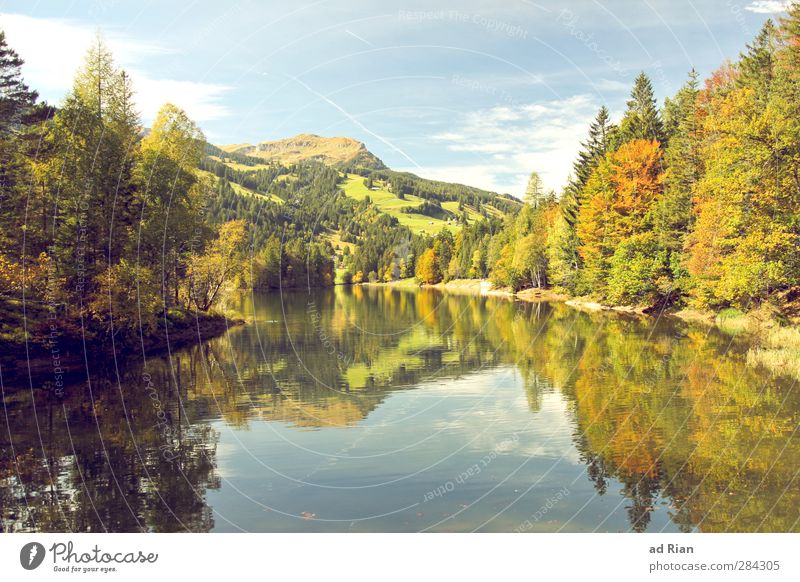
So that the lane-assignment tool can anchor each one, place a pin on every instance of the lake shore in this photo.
(69, 350)
(775, 337)
(476, 287)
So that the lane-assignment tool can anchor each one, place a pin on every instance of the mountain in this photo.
(338, 152)
(308, 169)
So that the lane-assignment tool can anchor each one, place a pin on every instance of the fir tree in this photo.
(18, 116)
(15, 96)
(756, 66)
(682, 156)
(601, 133)
(642, 120)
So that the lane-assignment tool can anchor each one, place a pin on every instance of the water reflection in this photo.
(348, 410)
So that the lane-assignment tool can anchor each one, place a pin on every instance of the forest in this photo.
(103, 226)
(696, 202)
(107, 225)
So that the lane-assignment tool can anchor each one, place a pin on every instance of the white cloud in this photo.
(50, 70)
(768, 6)
(201, 101)
(511, 142)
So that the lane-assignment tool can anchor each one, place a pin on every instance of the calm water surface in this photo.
(372, 409)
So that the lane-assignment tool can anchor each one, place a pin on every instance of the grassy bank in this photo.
(31, 341)
(778, 352)
(775, 337)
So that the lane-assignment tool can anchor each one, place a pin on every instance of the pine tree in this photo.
(787, 69)
(90, 171)
(16, 102)
(673, 215)
(601, 134)
(756, 66)
(15, 96)
(642, 120)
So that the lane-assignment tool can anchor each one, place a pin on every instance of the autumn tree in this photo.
(615, 221)
(221, 263)
(745, 240)
(428, 268)
(170, 197)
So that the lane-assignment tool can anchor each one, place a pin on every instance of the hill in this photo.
(330, 202)
(425, 206)
(405, 209)
(338, 152)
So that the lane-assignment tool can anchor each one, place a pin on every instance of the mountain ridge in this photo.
(337, 151)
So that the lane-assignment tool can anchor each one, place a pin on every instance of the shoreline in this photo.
(33, 358)
(774, 337)
(753, 321)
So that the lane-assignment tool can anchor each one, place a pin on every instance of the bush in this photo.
(638, 272)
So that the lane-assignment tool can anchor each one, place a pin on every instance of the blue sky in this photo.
(478, 92)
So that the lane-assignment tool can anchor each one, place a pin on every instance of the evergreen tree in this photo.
(642, 120)
(673, 215)
(534, 192)
(16, 98)
(89, 173)
(16, 101)
(601, 135)
(756, 66)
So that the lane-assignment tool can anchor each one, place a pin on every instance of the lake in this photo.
(376, 409)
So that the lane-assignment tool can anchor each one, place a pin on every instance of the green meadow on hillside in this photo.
(354, 187)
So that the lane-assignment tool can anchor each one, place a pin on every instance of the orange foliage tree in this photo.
(615, 223)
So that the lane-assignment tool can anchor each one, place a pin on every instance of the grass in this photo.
(241, 190)
(407, 283)
(338, 243)
(240, 167)
(472, 214)
(733, 321)
(387, 202)
(776, 345)
(779, 351)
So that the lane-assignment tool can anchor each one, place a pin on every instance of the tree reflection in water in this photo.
(665, 409)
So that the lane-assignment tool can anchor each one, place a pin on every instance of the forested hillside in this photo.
(311, 219)
(695, 202)
(109, 227)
